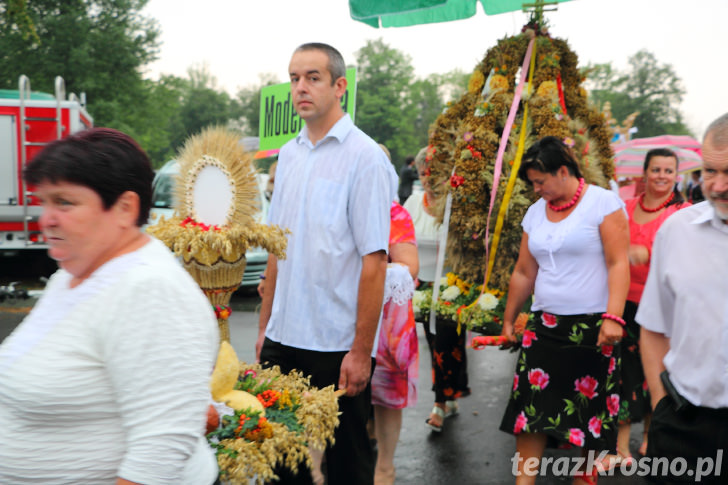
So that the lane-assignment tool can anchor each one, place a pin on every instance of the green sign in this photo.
(279, 122)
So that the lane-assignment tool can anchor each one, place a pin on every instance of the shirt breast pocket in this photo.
(327, 211)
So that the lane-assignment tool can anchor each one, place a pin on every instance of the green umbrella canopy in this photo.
(404, 13)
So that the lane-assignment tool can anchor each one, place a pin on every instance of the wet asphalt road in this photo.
(470, 450)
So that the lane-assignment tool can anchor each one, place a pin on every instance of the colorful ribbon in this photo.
(561, 93)
(511, 181)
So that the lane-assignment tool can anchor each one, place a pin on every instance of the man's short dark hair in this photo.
(105, 160)
(336, 65)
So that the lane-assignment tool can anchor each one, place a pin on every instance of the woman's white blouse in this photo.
(111, 378)
(572, 271)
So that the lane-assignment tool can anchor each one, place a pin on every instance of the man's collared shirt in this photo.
(686, 299)
(335, 198)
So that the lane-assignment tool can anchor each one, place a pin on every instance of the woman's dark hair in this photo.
(548, 155)
(665, 152)
(105, 160)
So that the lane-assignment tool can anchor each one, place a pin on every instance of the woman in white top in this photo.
(107, 379)
(573, 257)
(449, 366)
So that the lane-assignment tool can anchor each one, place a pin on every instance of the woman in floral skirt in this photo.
(573, 258)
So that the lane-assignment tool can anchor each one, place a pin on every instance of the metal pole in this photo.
(23, 89)
(60, 95)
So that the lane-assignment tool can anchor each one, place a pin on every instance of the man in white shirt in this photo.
(684, 319)
(322, 304)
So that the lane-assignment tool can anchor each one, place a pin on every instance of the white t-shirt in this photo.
(335, 197)
(572, 272)
(686, 299)
(427, 232)
(111, 378)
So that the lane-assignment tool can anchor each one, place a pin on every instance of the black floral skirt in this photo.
(565, 386)
(449, 360)
(633, 390)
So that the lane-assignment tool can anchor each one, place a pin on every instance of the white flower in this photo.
(443, 281)
(451, 293)
(417, 299)
(487, 301)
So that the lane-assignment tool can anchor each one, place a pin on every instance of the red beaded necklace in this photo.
(571, 203)
(659, 207)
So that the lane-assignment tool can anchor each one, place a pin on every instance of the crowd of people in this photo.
(630, 317)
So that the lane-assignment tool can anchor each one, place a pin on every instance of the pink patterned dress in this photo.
(394, 381)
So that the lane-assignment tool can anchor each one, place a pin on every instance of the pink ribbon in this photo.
(504, 141)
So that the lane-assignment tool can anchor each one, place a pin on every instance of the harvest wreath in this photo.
(214, 225)
(486, 129)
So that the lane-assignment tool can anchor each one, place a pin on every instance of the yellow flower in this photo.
(463, 285)
(548, 89)
(498, 82)
(451, 279)
(477, 79)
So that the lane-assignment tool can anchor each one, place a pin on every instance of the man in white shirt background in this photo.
(684, 319)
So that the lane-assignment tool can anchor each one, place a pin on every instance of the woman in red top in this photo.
(646, 214)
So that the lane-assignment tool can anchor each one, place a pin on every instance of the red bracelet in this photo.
(614, 318)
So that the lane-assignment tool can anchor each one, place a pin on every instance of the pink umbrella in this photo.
(679, 141)
(629, 158)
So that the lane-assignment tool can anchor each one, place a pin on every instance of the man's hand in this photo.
(259, 344)
(356, 369)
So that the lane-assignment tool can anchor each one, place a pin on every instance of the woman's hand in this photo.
(638, 254)
(611, 333)
(508, 332)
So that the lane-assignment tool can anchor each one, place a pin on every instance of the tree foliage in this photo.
(248, 101)
(383, 108)
(100, 47)
(393, 107)
(647, 86)
(97, 46)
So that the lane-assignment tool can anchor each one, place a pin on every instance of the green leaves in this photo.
(392, 106)
(576, 335)
(570, 407)
(649, 87)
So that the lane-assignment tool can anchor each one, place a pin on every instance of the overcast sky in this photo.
(240, 39)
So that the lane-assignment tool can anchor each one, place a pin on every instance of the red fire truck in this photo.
(28, 122)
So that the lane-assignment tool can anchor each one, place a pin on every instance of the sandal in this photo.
(612, 461)
(451, 408)
(624, 459)
(438, 411)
